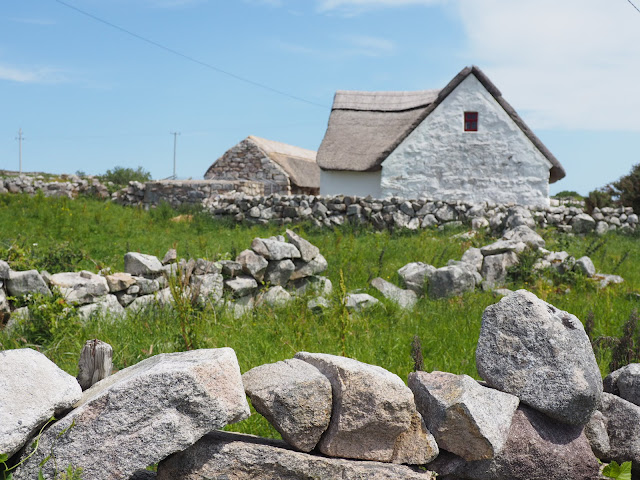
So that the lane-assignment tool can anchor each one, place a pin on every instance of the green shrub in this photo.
(121, 176)
(626, 190)
(598, 199)
(568, 194)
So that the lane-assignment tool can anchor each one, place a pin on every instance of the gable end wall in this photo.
(441, 161)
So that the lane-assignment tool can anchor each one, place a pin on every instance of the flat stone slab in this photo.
(32, 390)
(307, 250)
(374, 416)
(466, 418)
(232, 456)
(143, 265)
(294, 397)
(140, 415)
(273, 249)
(360, 301)
(540, 354)
(26, 282)
(406, 299)
(80, 288)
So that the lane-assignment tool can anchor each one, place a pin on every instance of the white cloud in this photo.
(570, 64)
(344, 46)
(32, 75)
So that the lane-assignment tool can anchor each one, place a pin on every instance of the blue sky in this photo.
(90, 97)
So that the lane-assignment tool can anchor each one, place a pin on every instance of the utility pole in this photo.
(175, 140)
(19, 138)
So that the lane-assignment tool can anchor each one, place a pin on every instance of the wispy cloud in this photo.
(570, 64)
(32, 75)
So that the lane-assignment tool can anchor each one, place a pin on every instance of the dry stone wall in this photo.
(65, 186)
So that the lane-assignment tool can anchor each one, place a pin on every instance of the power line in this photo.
(634, 6)
(190, 58)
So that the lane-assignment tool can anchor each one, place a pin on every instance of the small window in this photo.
(470, 121)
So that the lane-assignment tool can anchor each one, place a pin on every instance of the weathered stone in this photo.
(294, 397)
(208, 288)
(120, 281)
(225, 455)
(406, 299)
(315, 285)
(373, 414)
(495, 267)
(583, 223)
(252, 264)
(206, 267)
(415, 276)
(272, 249)
(503, 246)
(524, 234)
(318, 305)
(602, 228)
(605, 279)
(144, 413)
(95, 364)
(307, 251)
(473, 256)
(4, 270)
(25, 283)
(170, 257)
(479, 223)
(625, 383)
(585, 266)
(80, 288)
(32, 390)
(537, 448)
(465, 418)
(303, 269)
(429, 220)
(139, 264)
(596, 432)
(106, 305)
(241, 286)
(230, 268)
(540, 354)
(275, 296)
(622, 419)
(449, 281)
(279, 272)
(360, 301)
(147, 286)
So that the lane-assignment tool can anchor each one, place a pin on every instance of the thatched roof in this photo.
(299, 163)
(365, 127)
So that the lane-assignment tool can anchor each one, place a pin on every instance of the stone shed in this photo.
(279, 167)
(461, 143)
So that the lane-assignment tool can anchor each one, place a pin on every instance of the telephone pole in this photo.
(175, 140)
(19, 138)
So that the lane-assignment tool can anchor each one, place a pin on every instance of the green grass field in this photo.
(63, 234)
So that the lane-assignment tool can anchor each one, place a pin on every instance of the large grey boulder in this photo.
(274, 296)
(306, 269)
(523, 233)
(496, 267)
(80, 288)
(279, 272)
(273, 249)
(252, 264)
(585, 266)
(207, 287)
(537, 448)
(623, 427)
(406, 299)
(224, 455)
(415, 275)
(241, 286)
(307, 251)
(540, 354)
(625, 382)
(26, 282)
(503, 246)
(32, 390)
(451, 280)
(295, 397)
(374, 416)
(140, 415)
(473, 256)
(583, 223)
(465, 418)
(140, 264)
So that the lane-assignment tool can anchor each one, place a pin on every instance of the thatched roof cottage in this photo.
(464, 142)
(281, 168)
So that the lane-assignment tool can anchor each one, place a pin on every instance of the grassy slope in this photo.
(448, 328)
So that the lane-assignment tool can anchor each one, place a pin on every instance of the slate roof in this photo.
(365, 127)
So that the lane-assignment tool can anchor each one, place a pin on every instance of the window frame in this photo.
(471, 120)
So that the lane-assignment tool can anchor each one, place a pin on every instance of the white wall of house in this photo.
(360, 184)
(440, 160)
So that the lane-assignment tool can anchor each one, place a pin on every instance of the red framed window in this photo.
(470, 121)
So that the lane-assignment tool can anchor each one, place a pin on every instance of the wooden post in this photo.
(95, 363)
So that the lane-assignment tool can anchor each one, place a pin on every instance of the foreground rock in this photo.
(142, 414)
(622, 420)
(540, 354)
(537, 448)
(143, 265)
(295, 397)
(374, 415)
(32, 390)
(224, 455)
(625, 382)
(465, 418)
(27, 282)
(449, 281)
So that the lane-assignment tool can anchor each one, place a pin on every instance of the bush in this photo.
(626, 190)
(568, 194)
(121, 176)
(598, 199)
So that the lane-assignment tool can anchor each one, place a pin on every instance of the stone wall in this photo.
(65, 186)
(247, 162)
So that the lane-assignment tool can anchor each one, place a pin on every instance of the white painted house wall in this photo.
(440, 160)
(359, 184)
